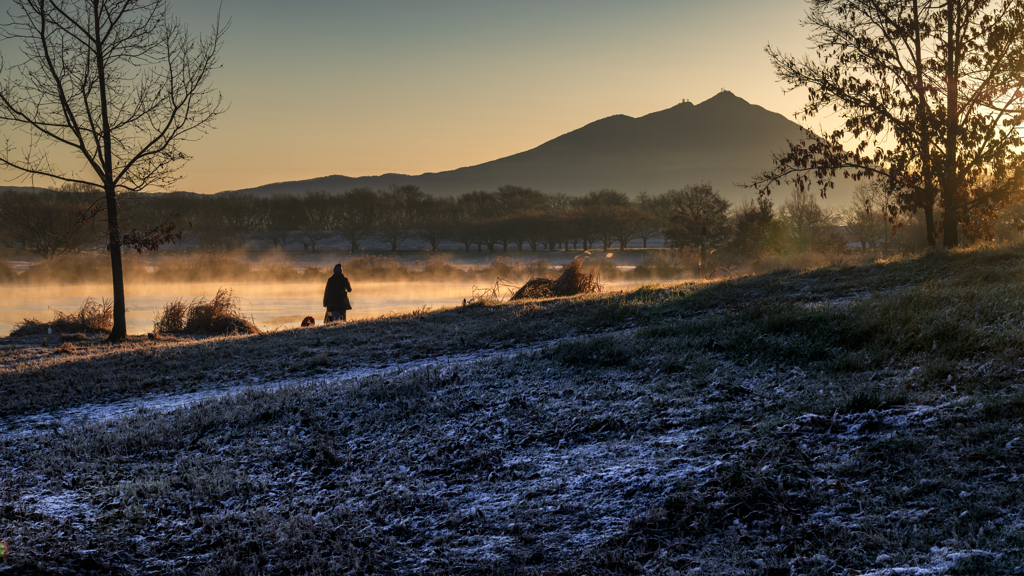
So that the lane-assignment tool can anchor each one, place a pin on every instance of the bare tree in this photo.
(318, 218)
(696, 209)
(808, 222)
(358, 213)
(652, 215)
(120, 84)
(396, 214)
(280, 214)
(866, 220)
(436, 221)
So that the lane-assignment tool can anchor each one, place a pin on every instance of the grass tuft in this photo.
(221, 315)
(94, 316)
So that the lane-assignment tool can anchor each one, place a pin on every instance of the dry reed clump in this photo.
(220, 315)
(93, 316)
(573, 281)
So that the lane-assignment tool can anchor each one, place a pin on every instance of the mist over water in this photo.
(270, 306)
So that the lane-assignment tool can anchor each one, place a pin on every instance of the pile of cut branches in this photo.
(573, 281)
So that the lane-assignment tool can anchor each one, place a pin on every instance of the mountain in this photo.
(724, 140)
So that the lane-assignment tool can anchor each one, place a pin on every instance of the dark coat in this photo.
(336, 293)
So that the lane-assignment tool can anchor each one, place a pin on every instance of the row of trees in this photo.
(511, 216)
(51, 223)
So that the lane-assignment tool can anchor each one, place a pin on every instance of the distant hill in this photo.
(724, 140)
(4, 188)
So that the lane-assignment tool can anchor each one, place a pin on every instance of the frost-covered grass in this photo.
(864, 419)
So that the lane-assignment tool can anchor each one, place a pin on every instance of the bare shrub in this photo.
(535, 288)
(313, 273)
(490, 295)
(220, 315)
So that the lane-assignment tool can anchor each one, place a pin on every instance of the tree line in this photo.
(51, 223)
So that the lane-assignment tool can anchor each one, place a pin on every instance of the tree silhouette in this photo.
(120, 84)
(695, 209)
(930, 93)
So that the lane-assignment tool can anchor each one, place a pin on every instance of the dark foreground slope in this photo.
(846, 420)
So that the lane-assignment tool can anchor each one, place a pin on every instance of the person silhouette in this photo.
(336, 295)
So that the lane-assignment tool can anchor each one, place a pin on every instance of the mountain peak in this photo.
(723, 140)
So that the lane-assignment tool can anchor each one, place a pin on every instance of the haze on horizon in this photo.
(367, 87)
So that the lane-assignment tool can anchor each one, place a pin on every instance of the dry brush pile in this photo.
(572, 282)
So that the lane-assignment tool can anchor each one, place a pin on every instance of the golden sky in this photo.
(365, 87)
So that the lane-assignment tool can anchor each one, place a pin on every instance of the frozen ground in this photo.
(556, 499)
(797, 424)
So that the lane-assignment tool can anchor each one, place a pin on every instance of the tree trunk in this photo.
(119, 332)
(922, 118)
(950, 192)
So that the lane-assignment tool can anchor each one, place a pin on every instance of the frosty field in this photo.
(844, 420)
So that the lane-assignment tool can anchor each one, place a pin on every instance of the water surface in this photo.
(269, 306)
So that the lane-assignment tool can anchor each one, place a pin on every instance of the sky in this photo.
(366, 87)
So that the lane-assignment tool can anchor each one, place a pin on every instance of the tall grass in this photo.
(221, 315)
(93, 316)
